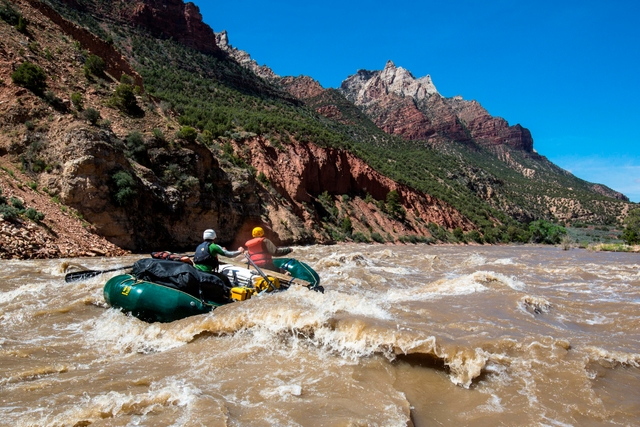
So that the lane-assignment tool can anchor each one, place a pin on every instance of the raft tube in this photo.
(299, 270)
(151, 302)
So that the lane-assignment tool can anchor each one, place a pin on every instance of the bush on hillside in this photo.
(546, 232)
(375, 236)
(631, 232)
(135, 144)
(91, 115)
(30, 76)
(187, 133)
(125, 188)
(359, 237)
(124, 99)
(76, 100)
(34, 215)
(9, 14)
(94, 65)
(8, 212)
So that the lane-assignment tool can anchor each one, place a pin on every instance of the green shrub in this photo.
(263, 178)
(187, 133)
(631, 232)
(135, 145)
(359, 237)
(158, 135)
(76, 100)
(34, 215)
(30, 76)
(53, 100)
(474, 236)
(377, 237)
(21, 26)
(94, 65)
(125, 188)
(9, 212)
(394, 208)
(17, 203)
(9, 14)
(91, 115)
(543, 231)
(124, 99)
(346, 226)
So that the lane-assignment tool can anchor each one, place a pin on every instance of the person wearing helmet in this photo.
(206, 255)
(262, 250)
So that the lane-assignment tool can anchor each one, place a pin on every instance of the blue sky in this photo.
(569, 71)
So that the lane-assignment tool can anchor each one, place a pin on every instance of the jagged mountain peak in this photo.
(366, 86)
(243, 58)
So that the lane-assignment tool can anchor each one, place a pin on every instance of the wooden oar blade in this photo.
(87, 274)
(81, 275)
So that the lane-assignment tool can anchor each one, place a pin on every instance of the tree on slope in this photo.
(631, 233)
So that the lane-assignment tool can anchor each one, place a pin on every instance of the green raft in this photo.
(299, 270)
(151, 302)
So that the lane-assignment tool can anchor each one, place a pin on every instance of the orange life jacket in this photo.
(258, 253)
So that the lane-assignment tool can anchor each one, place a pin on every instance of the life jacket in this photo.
(203, 256)
(258, 253)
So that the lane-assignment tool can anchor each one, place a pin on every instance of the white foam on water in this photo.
(503, 261)
(612, 357)
(123, 334)
(282, 392)
(477, 282)
(474, 260)
(494, 405)
(112, 404)
(30, 290)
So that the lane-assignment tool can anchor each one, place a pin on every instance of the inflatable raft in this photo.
(164, 291)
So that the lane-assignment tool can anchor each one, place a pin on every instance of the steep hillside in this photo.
(148, 142)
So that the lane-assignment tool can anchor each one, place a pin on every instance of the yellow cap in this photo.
(257, 232)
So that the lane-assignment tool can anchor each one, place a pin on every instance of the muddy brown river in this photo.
(404, 335)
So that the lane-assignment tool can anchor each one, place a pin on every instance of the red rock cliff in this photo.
(167, 18)
(303, 171)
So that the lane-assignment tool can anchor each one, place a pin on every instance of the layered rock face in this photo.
(304, 171)
(167, 18)
(176, 19)
(158, 215)
(487, 130)
(402, 105)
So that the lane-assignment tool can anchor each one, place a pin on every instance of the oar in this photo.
(260, 272)
(87, 274)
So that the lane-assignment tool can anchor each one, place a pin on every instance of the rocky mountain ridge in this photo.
(149, 180)
(402, 105)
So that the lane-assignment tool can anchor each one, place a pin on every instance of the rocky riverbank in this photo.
(60, 233)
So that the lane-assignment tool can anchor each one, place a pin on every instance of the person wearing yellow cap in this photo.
(262, 250)
(206, 255)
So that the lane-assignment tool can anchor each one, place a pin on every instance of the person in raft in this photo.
(206, 255)
(262, 250)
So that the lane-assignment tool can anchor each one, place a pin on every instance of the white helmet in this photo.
(209, 234)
